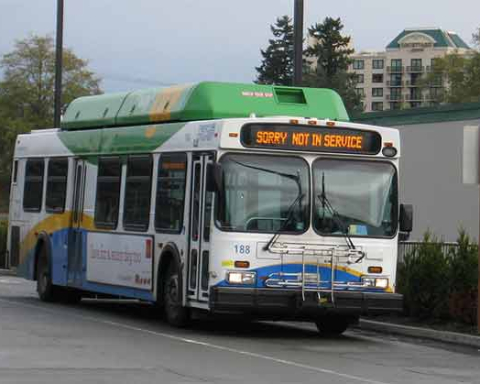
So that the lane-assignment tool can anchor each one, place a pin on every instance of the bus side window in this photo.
(170, 202)
(56, 185)
(15, 171)
(33, 188)
(108, 192)
(136, 208)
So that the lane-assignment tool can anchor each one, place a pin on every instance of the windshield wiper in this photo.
(290, 210)
(336, 217)
(284, 225)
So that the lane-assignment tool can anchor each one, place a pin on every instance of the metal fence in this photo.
(406, 247)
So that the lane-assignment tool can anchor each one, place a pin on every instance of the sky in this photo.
(135, 44)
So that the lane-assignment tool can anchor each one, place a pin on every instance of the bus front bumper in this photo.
(266, 302)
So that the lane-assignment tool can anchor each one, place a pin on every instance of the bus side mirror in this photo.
(406, 218)
(214, 177)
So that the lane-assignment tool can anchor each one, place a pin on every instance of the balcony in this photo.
(414, 98)
(412, 84)
(416, 69)
(396, 69)
(393, 84)
(395, 97)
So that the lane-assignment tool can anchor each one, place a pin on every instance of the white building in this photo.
(389, 79)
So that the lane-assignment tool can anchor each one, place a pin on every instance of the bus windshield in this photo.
(264, 194)
(362, 196)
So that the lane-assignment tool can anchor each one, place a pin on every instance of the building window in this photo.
(396, 80)
(138, 189)
(33, 188)
(416, 63)
(360, 91)
(377, 92)
(377, 106)
(396, 65)
(360, 79)
(377, 64)
(108, 192)
(395, 106)
(172, 171)
(377, 78)
(358, 64)
(56, 185)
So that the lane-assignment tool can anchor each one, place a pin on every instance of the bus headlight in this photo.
(375, 282)
(241, 277)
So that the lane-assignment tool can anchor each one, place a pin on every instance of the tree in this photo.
(277, 63)
(459, 74)
(476, 38)
(27, 89)
(328, 58)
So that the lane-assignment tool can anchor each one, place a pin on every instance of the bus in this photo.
(260, 201)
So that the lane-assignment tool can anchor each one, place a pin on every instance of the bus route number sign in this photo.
(306, 138)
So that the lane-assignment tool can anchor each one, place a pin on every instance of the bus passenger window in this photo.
(136, 216)
(56, 185)
(108, 192)
(172, 170)
(33, 188)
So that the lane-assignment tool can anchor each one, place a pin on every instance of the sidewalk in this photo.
(7, 272)
(423, 333)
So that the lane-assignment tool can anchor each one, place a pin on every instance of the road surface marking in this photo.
(203, 344)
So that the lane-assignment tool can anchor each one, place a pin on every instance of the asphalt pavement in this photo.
(125, 342)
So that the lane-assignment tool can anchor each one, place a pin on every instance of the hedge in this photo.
(440, 283)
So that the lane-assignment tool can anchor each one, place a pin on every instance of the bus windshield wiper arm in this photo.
(284, 225)
(336, 217)
(290, 176)
(290, 210)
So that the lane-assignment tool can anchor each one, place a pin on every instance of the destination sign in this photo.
(309, 138)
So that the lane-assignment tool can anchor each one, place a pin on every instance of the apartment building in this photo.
(390, 79)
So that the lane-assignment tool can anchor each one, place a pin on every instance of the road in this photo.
(111, 342)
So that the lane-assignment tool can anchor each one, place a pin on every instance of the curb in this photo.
(424, 333)
(8, 272)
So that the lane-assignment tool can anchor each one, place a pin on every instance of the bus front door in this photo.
(76, 233)
(200, 221)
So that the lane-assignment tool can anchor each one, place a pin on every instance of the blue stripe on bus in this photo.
(59, 242)
(325, 276)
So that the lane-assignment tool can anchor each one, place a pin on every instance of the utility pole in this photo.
(58, 65)
(298, 43)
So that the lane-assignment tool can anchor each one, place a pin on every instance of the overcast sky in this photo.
(141, 43)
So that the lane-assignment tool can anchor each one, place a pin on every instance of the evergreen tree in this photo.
(277, 63)
(328, 58)
(476, 38)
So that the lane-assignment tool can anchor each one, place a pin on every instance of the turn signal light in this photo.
(375, 269)
(242, 264)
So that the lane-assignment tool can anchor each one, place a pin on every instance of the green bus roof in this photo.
(201, 101)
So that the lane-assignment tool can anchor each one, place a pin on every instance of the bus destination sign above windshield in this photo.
(308, 138)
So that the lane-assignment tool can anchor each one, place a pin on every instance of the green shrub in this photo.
(3, 242)
(439, 282)
(463, 279)
(422, 279)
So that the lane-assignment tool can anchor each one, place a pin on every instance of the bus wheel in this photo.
(176, 314)
(45, 288)
(332, 325)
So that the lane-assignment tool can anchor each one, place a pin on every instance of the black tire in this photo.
(332, 325)
(176, 314)
(45, 289)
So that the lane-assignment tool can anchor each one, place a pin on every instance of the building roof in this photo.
(441, 113)
(443, 39)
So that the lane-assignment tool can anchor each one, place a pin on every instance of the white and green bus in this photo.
(224, 198)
